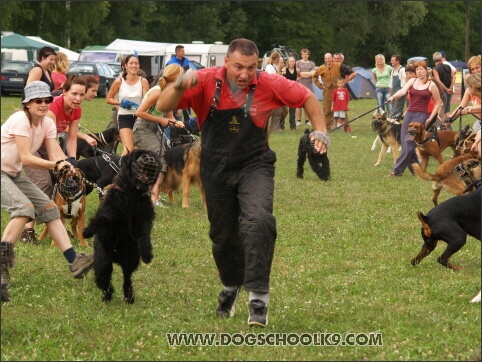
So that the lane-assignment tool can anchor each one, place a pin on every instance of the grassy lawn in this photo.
(342, 265)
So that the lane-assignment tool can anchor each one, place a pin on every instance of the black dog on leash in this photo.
(450, 221)
(100, 170)
(320, 164)
(105, 138)
(123, 223)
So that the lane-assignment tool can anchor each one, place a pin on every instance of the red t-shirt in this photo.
(272, 91)
(63, 120)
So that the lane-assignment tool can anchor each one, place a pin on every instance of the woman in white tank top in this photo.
(131, 88)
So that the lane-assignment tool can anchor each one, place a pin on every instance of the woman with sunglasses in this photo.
(22, 135)
(66, 112)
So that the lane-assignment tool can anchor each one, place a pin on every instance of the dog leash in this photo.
(92, 134)
(354, 119)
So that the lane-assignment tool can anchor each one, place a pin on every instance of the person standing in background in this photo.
(339, 104)
(304, 65)
(397, 82)
(59, 70)
(279, 114)
(43, 69)
(291, 73)
(381, 74)
(131, 88)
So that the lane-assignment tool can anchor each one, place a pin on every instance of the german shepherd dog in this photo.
(183, 169)
(319, 163)
(455, 176)
(388, 130)
(431, 144)
(70, 198)
(450, 221)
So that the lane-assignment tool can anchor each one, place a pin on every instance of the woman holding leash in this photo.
(131, 87)
(421, 90)
(22, 135)
(146, 134)
(66, 112)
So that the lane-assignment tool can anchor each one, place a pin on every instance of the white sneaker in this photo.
(160, 204)
(298, 123)
(307, 123)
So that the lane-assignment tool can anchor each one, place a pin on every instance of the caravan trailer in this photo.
(208, 55)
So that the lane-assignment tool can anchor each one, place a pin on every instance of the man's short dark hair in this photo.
(397, 57)
(178, 47)
(244, 46)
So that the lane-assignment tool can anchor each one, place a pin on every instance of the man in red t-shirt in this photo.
(233, 105)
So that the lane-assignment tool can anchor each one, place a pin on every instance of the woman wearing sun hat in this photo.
(21, 136)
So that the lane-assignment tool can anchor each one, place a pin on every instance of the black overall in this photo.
(237, 171)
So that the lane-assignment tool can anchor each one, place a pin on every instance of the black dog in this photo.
(100, 170)
(123, 223)
(319, 163)
(450, 221)
(105, 138)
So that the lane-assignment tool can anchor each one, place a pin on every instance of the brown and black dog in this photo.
(183, 169)
(70, 198)
(431, 147)
(388, 134)
(451, 221)
(452, 176)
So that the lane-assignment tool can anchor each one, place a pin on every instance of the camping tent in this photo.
(363, 85)
(73, 56)
(17, 41)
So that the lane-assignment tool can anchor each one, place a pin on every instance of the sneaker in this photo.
(5, 296)
(28, 236)
(258, 314)
(160, 204)
(227, 303)
(81, 265)
(307, 123)
(298, 123)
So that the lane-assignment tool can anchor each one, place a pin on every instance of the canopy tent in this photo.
(73, 56)
(363, 85)
(142, 48)
(17, 41)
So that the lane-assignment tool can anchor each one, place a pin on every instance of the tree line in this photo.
(358, 29)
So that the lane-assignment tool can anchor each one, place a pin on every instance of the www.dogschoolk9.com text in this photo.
(274, 339)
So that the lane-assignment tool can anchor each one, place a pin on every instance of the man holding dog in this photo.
(233, 104)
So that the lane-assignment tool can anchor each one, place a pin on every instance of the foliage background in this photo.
(358, 29)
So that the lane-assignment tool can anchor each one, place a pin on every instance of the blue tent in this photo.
(363, 85)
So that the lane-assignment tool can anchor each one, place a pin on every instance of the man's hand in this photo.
(186, 80)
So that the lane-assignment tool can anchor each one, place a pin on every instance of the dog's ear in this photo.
(425, 227)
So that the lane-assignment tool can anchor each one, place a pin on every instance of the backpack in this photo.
(445, 74)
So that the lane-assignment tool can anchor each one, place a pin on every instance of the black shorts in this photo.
(126, 120)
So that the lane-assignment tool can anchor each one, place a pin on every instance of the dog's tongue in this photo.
(411, 137)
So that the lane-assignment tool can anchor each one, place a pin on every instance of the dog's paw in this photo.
(299, 175)
(147, 258)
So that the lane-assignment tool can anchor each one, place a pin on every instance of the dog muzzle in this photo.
(146, 169)
(69, 188)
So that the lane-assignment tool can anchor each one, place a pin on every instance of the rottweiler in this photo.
(450, 221)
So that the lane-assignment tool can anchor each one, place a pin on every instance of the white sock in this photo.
(264, 297)
(230, 290)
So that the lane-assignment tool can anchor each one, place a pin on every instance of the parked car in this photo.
(104, 74)
(14, 74)
(192, 65)
(116, 67)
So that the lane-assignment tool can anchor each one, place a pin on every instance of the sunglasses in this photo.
(40, 101)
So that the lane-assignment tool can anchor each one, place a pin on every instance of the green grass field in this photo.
(342, 265)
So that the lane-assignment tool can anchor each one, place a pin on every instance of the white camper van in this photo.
(208, 55)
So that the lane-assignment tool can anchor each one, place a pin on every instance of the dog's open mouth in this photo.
(412, 133)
